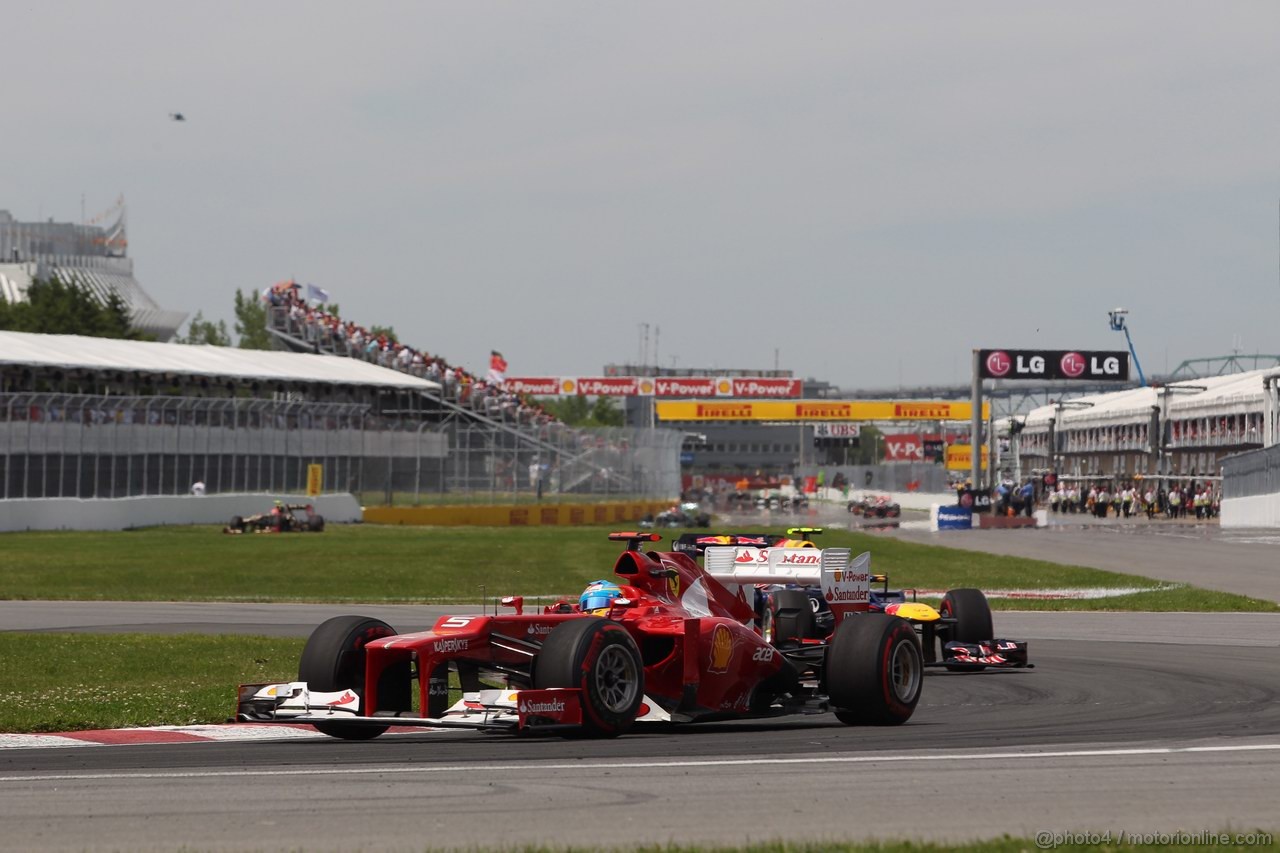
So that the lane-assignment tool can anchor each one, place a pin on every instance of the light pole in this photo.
(1116, 317)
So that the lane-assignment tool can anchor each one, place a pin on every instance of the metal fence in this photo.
(1256, 472)
(59, 445)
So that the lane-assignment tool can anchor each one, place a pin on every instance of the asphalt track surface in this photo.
(1130, 722)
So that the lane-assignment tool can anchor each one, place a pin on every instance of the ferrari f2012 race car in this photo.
(282, 518)
(679, 643)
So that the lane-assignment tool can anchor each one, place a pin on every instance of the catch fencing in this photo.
(62, 445)
(1251, 474)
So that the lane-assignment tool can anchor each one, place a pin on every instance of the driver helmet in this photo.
(598, 597)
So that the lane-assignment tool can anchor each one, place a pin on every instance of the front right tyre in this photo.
(874, 670)
(334, 659)
(599, 658)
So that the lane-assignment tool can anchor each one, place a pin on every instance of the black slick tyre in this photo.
(874, 670)
(333, 659)
(315, 524)
(601, 659)
(237, 523)
(972, 613)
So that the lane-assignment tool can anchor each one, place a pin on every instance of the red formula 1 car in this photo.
(680, 644)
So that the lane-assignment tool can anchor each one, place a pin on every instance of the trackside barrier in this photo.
(515, 516)
(124, 513)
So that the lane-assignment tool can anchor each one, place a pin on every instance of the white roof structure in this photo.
(1234, 394)
(76, 352)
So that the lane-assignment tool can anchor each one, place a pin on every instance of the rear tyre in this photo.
(874, 670)
(599, 658)
(787, 616)
(333, 659)
(972, 613)
(315, 523)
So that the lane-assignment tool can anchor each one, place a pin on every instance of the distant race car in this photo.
(282, 518)
(958, 634)
(875, 506)
(779, 500)
(684, 515)
(676, 643)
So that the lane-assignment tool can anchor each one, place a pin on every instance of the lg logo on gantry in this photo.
(999, 363)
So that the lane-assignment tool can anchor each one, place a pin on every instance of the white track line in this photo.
(642, 765)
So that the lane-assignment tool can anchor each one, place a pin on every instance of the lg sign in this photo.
(1054, 364)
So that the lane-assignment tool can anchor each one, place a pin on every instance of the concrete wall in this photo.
(1253, 511)
(517, 516)
(123, 513)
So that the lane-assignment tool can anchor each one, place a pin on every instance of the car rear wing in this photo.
(845, 584)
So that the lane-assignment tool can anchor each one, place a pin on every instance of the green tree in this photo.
(575, 410)
(605, 412)
(251, 321)
(202, 331)
(57, 307)
(374, 331)
(572, 410)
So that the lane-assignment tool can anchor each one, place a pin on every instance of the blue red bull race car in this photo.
(957, 634)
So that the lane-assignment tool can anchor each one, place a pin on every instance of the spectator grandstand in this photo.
(301, 326)
(91, 417)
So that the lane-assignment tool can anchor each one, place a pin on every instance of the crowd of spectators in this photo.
(315, 324)
(1134, 498)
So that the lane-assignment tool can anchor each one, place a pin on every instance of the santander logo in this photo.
(999, 363)
(1072, 364)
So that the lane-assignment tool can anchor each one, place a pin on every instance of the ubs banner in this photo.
(1092, 365)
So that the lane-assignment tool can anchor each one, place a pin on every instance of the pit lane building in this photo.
(94, 256)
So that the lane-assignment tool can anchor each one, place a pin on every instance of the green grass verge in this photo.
(367, 563)
(1233, 840)
(65, 682)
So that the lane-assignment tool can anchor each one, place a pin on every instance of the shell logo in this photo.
(724, 386)
(646, 386)
(567, 386)
(721, 649)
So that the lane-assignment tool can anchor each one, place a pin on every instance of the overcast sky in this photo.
(870, 189)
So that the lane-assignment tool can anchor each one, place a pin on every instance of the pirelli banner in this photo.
(814, 410)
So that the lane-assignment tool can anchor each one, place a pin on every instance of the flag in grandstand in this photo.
(497, 368)
(319, 294)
